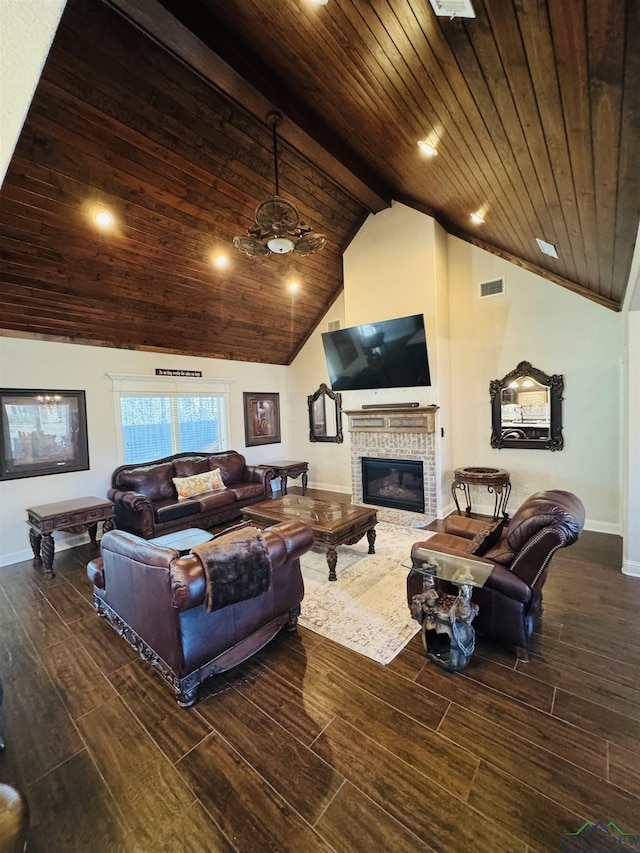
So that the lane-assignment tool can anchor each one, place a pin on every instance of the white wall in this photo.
(329, 463)
(27, 28)
(631, 510)
(389, 271)
(44, 365)
(556, 331)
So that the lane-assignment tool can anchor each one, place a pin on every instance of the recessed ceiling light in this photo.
(220, 260)
(293, 286)
(104, 219)
(547, 248)
(477, 219)
(427, 148)
(318, 2)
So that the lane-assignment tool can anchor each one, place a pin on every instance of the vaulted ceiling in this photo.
(156, 110)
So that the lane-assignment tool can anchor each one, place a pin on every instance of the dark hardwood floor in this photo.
(309, 746)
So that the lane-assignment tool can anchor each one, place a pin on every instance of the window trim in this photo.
(143, 385)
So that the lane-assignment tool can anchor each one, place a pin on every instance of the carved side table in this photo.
(287, 468)
(74, 516)
(497, 481)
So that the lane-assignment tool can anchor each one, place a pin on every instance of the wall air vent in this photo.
(547, 248)
(491, 288)
(333, 325)
(453, 8)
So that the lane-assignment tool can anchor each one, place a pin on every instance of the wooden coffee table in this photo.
(333, 524)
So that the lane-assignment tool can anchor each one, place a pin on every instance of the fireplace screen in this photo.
(395, 483)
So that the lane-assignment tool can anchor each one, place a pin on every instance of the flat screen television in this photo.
(388, 354)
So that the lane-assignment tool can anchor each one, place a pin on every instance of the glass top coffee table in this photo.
(447, 633)
(332, 523)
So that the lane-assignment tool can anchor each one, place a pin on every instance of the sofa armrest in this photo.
(259, 474)
(133, 511)
(95, 572)
(287, 541)
(505, 582)
(133, 501)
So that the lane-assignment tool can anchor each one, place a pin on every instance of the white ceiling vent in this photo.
(491, 288)
(333, 325)
(453, 8)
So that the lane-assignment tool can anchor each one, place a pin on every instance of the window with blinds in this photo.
(159, 425)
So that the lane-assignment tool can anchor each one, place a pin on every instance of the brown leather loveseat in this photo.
(193, 616)
(520, 549)
(147, 503)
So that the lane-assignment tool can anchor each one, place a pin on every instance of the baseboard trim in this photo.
(70, 541)
(631, 568)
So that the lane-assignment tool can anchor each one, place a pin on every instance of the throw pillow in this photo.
(198, 484)
(485, 539)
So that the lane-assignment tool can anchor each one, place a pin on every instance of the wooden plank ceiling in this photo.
(156, 110)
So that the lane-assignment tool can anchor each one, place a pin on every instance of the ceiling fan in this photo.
(277, 228)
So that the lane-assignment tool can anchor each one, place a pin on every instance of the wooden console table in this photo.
(497, 481)
(75, 516)
(287, 468)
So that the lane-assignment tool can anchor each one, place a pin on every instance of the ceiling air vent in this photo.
(491, 288)
(453, 8)
(333, 325)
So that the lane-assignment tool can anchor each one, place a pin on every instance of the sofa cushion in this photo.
(170, 509)
(231, 465)
(153, 481)
(246, 491)
(198, 484)
(215, 500)
(189, 467)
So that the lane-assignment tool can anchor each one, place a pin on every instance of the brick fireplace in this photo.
(406, 434)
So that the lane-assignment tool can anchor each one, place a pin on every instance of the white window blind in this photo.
(157, 417)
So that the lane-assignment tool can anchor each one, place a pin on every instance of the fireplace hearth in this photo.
(396, 483)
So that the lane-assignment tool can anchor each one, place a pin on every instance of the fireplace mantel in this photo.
(410, 419)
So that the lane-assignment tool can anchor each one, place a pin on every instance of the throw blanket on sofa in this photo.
(237, 566)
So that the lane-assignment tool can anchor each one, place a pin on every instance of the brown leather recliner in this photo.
(512, 595)
(158, 600)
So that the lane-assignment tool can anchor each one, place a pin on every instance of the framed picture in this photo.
(42, 432)
(261, 419)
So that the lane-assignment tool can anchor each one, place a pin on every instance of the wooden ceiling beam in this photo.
(169, 24)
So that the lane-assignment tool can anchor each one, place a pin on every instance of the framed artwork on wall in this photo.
(42, 432)
(261, 419)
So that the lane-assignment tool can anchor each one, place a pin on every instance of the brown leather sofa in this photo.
(147, 504)
(158, 601)
(521, 550)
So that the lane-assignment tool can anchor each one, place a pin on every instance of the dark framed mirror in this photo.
(526, 409)
(325, 415)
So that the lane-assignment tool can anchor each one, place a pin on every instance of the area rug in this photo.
(366, 608)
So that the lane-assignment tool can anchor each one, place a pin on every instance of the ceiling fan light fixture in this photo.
(277, 227)
(280, 245)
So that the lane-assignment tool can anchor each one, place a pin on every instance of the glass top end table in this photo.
(447, 633)
(459, 570)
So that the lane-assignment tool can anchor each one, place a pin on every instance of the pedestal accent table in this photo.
(74, 516)
(497, 481)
